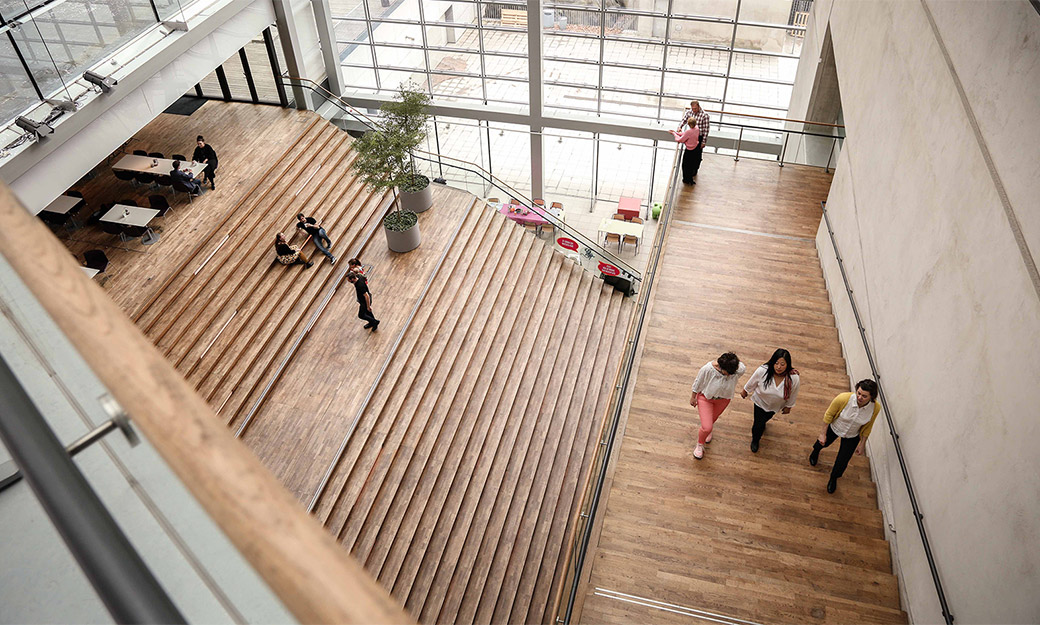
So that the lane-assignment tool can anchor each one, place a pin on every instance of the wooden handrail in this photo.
(313, 576)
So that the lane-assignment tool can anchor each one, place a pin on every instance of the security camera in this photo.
(38, 129)
(105, 83)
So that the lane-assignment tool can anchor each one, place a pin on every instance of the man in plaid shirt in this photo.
(694, 117)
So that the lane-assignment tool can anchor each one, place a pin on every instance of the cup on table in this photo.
(126, 212)
(155, 162)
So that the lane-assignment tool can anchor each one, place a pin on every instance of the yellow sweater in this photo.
(839, 404)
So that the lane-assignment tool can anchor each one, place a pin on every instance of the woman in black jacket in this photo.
(204, 153)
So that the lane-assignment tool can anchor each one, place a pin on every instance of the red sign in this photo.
(609, 269)
(569, 244)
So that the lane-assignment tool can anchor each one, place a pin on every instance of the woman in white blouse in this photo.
(850, 418)
(712, 391)
(773, 387)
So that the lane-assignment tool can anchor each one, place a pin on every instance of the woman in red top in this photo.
(691, 138)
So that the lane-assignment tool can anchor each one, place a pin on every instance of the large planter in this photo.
(401, 240)
(417, 201)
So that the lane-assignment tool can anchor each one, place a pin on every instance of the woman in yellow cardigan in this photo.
(850, 417)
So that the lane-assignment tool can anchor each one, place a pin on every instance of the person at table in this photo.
(850, 417)
(289, 254)
(318, 235)
(186, 179)
(204, 153)
(773, 387)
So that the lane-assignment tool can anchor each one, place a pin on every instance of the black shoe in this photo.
(309, 265)
(375, 326)
(754, 447)
(213, 186)
(814, 457)
(687, 182)
(832, 484)
(367, 326)
(693, 182)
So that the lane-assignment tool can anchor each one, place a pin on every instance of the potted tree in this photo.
(384, 161)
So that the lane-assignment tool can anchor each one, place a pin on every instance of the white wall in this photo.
(951, 312)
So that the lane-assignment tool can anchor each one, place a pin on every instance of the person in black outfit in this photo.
(205, 154)
(288, 254)
(318, 235)
(364, 298)
(187, 179)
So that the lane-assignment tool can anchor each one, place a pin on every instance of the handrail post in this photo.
(120, 577)
(740, 138)
(830, 155)
(783, 149)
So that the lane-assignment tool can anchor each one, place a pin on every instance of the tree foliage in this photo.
(384, 159)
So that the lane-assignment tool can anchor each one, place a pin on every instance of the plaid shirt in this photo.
(703, 123)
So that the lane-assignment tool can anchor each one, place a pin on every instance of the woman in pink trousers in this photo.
(712, 391)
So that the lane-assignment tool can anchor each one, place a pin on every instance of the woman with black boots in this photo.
(773, 387)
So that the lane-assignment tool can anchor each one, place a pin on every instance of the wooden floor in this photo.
(748, 536)
(445, 450)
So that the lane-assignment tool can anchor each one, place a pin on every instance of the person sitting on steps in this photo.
(318, 235)
(289, 254)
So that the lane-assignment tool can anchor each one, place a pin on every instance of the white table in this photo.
(138, 216)
(616, 226)
(62, 205)
(90, 272)
(143, 165)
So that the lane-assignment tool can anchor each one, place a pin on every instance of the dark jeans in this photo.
(210, 174)
(761, 416)
(366, 315)
(322, 242)
(691, 162)
(845, 451)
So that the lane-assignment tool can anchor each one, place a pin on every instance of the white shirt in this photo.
(770, 396)
(852, 418)
(715, 384)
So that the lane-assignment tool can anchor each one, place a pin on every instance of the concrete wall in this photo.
(934, 207)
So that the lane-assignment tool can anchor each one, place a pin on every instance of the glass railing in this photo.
(470, 176)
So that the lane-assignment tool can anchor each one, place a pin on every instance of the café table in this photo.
(534, 215)
(629, 207)
(61, 205)
(137, 216)
(157, 166)
(622, 228)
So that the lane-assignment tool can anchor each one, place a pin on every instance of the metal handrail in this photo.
(605, 448)
(947, 616)
(120, 577)
(476, 170)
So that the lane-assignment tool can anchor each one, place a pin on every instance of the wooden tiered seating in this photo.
(460, 481)
(229, 315)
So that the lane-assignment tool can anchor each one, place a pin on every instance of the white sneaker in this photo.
(698, 451)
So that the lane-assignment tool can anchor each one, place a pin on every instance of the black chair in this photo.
(179, 157)
(156, 155)
(159, 203)
(183, 188)
(117, 230)
(140, 153)
(146, 234)
(127, 202)
(95, 259)
(164, 181)
(125, 176)
(145, 179)
(96, 216)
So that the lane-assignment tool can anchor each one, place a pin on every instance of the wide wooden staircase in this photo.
(461, 478)
(229, 314)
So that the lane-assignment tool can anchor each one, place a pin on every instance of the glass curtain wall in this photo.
(251, 75)
(641, 58)
(45, 46)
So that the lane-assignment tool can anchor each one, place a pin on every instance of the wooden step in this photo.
(418, 415)
(384, 416)
(409, 542)
(462, 509)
